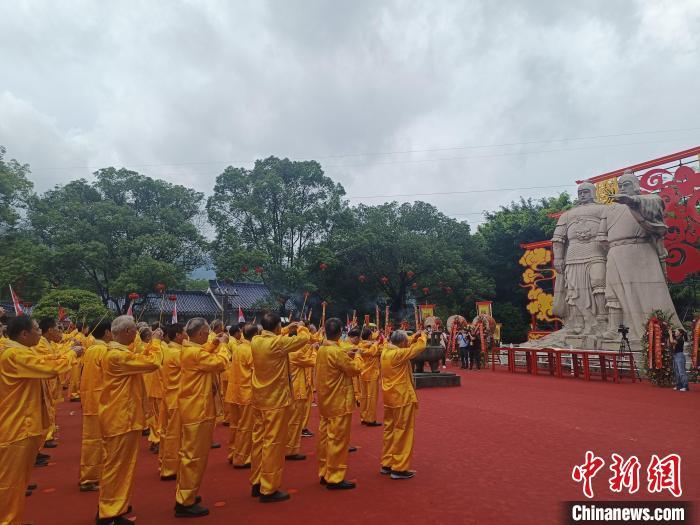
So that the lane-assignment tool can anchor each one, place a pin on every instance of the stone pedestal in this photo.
(438, 379)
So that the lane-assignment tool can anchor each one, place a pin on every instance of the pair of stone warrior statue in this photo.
(610, 263)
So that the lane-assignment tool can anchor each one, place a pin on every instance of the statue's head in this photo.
(628, 184)
(586, 193)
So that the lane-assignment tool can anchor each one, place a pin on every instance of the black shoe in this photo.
(32, 486)
(51, 443)
(171, 477)
(306, 433)
(255, 491)
(89, 487)
(27, 493)
(245, 465)
(216, 445)
(41, 463)
(295, 457)
(343, 485)
(226, 423)
(274, 497)
(42, 457)
(352, 449)
(145, 432)
(153, 447)
(119, 520)
(191, 511)
(75, 400)
(323, 481)
(363, 422)
(403, 474)
(385, 470)
(373, 424)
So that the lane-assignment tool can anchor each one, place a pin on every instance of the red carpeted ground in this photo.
(500, 449)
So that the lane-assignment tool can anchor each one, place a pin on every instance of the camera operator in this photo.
(677, 339)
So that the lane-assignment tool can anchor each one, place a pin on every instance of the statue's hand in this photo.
(622, 198)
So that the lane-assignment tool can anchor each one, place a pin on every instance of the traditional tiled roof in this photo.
(189, 304)
(249, 296)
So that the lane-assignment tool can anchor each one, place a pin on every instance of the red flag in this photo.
(15, 302)
(130, 310)
(174, 320)
(241, 317)
(61, 314)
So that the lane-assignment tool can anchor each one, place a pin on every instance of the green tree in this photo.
(270, 217)
(78, 305)
(15, 189)
(122, 233)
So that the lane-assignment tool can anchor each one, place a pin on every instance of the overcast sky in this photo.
(179, 90)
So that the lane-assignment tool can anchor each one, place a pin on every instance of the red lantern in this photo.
(323, 266)
(410, 274)
(426, 290)
(448, 290)
(133, 296)
(172, 297)
(384, 279)
(414, 286)
(259, 270)
(244, 269)
(362, 278)
(160, 287)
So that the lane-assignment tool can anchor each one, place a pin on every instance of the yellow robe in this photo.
(336, 400)
(24, 409)
(199, 404)
(122, 412)
(239, 392)
(76, 372)
(52, 387)
(299, 362)
(271, 400)
(90, 392)
(400, 404)
(154, 391)
(169, 450)
(369, 380)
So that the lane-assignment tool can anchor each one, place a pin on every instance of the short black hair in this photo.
(47, 323)
(334, 327)
(233, 329)
(250, 330)
(354, 332)
(270, 321)
(101, 328)
(366, 333)
(173, 329)
(19, 324)
(79, 326)
(155, 326)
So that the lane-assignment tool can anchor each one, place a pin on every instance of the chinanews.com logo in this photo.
(662, 475)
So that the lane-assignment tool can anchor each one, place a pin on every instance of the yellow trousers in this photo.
(307, 410)
(269, 444)
(51, 409)
(155, 420)
(117, 481)
(194, 454)
(397, 440)
(169, 451)
(74, 382)
(242, 421)
(333, 443)
(295, 425)
(91, 450)
(369, 390)
(356, 388)
(16, 462)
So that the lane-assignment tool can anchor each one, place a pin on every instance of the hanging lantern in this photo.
(259, 270)
(448, 290)
(133, 296)
(410, 274)
(384, 279)
(244, 269)
(414, 286)
(172, 297)
(362, 278)
(323, 266)
(426, 290)
(160, 287)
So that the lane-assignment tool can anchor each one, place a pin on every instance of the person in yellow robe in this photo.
(239, 393)
(336, 365)
(23, 410)
(272, 401)
(169, 449)
(234, 339)
(199, 403)
(122, 414)
(80, 335)
(353, 340)
(299, 362)
(154, 385)
(316, 339)
(90, 391)
(400, 403)
(369, 377)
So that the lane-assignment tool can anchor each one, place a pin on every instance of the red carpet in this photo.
(500, 449)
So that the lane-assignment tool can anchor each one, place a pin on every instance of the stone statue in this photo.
(635, 269)
(578, 247)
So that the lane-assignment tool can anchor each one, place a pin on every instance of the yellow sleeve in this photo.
(210, 362)
(412, 351)
(303, 358)
(127, 363)
(286, 345)
(33, 366)
(349, 366)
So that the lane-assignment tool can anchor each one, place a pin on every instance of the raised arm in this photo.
(33, 366)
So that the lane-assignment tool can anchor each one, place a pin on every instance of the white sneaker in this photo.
(675, 388)
(682, 389)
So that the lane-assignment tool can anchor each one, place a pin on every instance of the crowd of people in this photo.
(174, 383)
